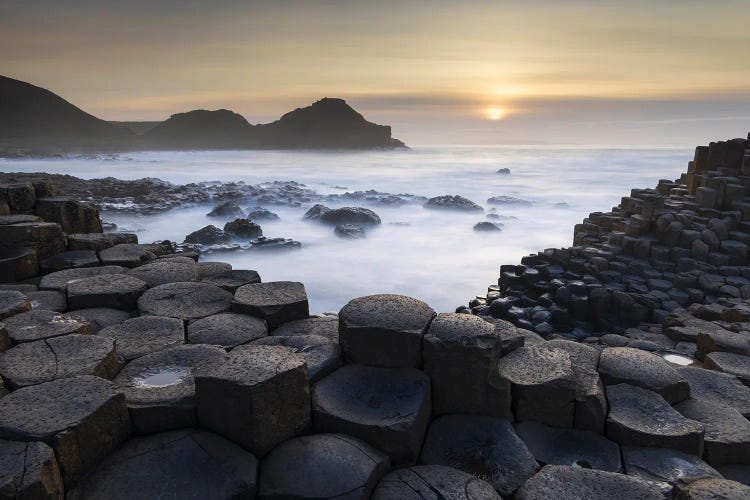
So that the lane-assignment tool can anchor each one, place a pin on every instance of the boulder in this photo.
(161, 272)
(714, 489)
(226, 209)
(315, 212)
(389, 408)
(39, 324)
(384, 330)
(69, 260)
(665, 466)
(81, 418)
(20, 195)
(98, 241)
(727, 362)
(227, 330)
(508, 200)
(503, 171)
(72, 215)
(350, 215)
(258, 398)
(324, 326)
(717, 388)
(17, 264)
(29, 470)
(349, 231)
(485, 447)
(102, 317)
(128, 255)
(232, 280)
(276, 302)
(243, 228)
(13, 302)
(117, 291)
(262, 214)
(143, 335)
(322, 466)
(264, 244)
(486, 226)
(46, 238)
(59, 280)
(423, 482)
(208, 268)
(322, 355)
(48, 299)
(452, 202)
(727, 438)
(185, 301)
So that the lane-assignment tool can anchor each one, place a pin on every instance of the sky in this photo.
(629, 72)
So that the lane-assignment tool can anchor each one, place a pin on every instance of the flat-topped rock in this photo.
(160, 390)
(431, 482)
(69, 260)
(17, 264)
(324, 326)
(384, 330)
(485, 447)
(714, 489)
(639, 417)
(20, 195)
(666, 466)
(29, 470)
(72, 215)
(718, 388)
(727, 438)
(128, 255)
(143, 335)
(213, 268)
(185, 301)
(322, 466)
(13, 302)
(160, 272)
(59, 280)
(46, 238)
(102, 317)
(180, 464)
(563, 482)
(350, 215)
(227, 330)
(276, 302)
(5, 342)
(322, 355)
(99, 241)
(39, 324)
(81, 418)
(258, 398)
(632, 366)
(18, 219)
(232, 280)
(552, 446)
(33, 363)
(727, 362)
(51, 300)
(388, 408)
(117, 291)
(736, 472)
(452, 202)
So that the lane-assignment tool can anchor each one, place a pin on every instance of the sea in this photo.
(433, 255)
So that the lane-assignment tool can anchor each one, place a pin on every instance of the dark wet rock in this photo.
(554, 446)
(736, 472)
(48, 299)
(350, 215)
(276, 302)
(485, 447)
(5, 344)
(727, 362)
(665, 466)
(69, 260)
(316, 212)
(453, 202)
(72, 215)
(243, 228)
(227, 330)
(59, 280)
(389, 408)
(432, 482)
(714, 489)
(717, 388)
(160, 390)
(563, 482)
(127, 255)
(46, 238)
(459, 352)
(350, 231)
(180, 464)
(29, 470)
(727, 435)
(323, 356)
(102, 317)
(13, 302)
(258, 398)
(322, 466)
(503, 171)
(99, 241)
(17, 264)
(20, 195)
(18, 219)
(208, 235)
(185, 301)
(209, 268)
(508, 200)
(33, 363)
(639, 417)
(161, 272)
(325, 326)
(384, 330)
(232, 280)
(39, 324)
(118, 291)
(261, 214)
(81, 418)
(227, 209)
(143, 335)
(486, 226)
(274, 244)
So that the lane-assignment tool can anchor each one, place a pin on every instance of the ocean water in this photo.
(432, 255)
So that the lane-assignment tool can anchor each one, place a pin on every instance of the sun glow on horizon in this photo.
(495, 113)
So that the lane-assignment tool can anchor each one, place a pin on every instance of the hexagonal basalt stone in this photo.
(727, 438)
(258, 397)
(728, 362)
(102, 317)
(185, 301)
(13, 302)
(33, 363)
(46, 238)
(324, 326)
(322, 466)
(486, 447)
(39, 324)
(563, 482)
(69, 260)
(59, 280)
(160, 390)
(28, 470)
(551, 446)
(161, 272)
(460, 351)
(143, 335)
(323, 356)
(718, 388)
(118, 291)
(227, 330)
(5, 342)
(666, 466)
(177, 464)
(384, 330)
(127, 255)
(714, 489)
(232, 280)
(423, 482)
(48, 299)
(17, 263)
(639, 417)
(276, 302)
(81, 418)
(99, 241)
(213, 268)
(618, 365)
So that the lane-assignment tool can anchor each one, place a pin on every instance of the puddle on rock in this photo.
(162, 377)
(678, 359)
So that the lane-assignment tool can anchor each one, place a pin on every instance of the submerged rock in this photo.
(315, 212)
(349, 231)
(508, 200)
(227, 209)
(264, 243)
(452, 202)
(350, 215)
(503, 171)
(260, 213)
(243, 228)
(486, 226)
(207, 236)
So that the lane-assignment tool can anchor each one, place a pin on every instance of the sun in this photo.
(494, 113)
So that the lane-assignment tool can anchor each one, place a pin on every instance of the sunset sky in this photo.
(577, 71)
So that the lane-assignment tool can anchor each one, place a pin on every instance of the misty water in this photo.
(432, 255)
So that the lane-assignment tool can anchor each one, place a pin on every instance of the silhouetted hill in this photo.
(202, 128)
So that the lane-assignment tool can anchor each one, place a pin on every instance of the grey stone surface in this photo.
(325, 326)
(72, 215)
(160, 272)
(187, 464)
(666, 466)
(128, 255)
(33, 363)
(727, 362)
(39, 324)
(485, 447)
(714, 489)
(48, 299)
(143, 335)
(81, 418)
(118, 291)
(185, 301)
(209, 268)
(99, 241)
(639, 417)
(28, 471)
(17, 264)
(160, 389)
(727, 438)
(718, 388)
(562, 482)
(433, 482)
(736, 472)
(69, 260)
(322, 466)
(553, 446)
(384, 330)
(618, 365)
(102, 317)
(59, 280)
(227, 330)
(322, 355)
(258, 398)
(277, 302)
(388, 408)
(232, 280)
(13, 302)
(46, 238)
(5, 342)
